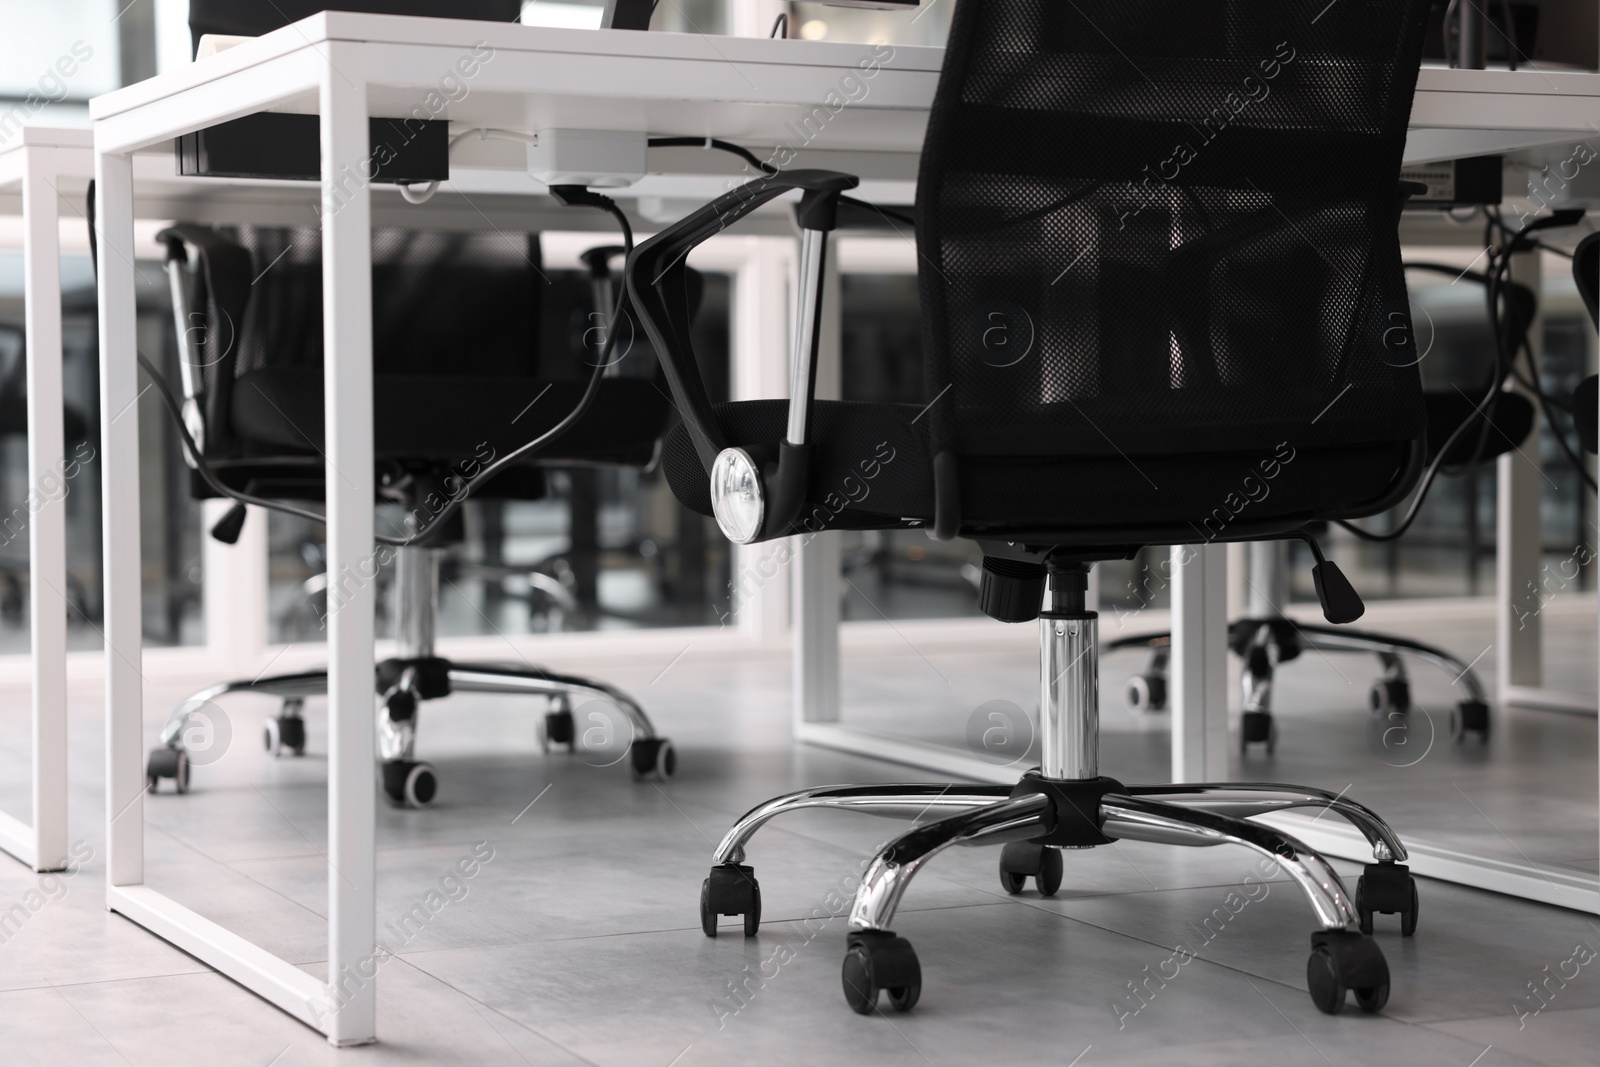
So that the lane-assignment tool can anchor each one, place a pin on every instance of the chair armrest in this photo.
(656, 287)
(225, 268)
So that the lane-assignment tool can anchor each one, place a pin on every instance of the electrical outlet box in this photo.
(598, 159)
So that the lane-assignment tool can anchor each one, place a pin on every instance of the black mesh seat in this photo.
(1162, 303)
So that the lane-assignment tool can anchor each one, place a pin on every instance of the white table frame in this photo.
(37, 161)
(347, 337)
(340, 65)
(326, 65)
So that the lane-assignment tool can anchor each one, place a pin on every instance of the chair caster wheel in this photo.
(558, 729)
(1387, 889)
(1345, 960)
(877, 959)
(731, 889)
(653, 756)
(1147, 692)
(1470, 717)
(410, 783)
(167, 763)
(284, 734)
(1257, 726)
(1389, 695)
(1020, 859)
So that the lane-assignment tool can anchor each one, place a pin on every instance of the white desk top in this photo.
(752, 91)
(748, 88)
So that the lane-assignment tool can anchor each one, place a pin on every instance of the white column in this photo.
(760, 331)
(347, 384)
(1199, 666)
(754, 18)
(1519, 532)
(119, 480)
(47, 527)
(816, 675)
(235, 591)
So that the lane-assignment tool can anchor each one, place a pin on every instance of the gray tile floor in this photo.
(578, 941)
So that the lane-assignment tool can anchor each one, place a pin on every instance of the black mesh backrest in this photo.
(464, 304)
(1151, 225)
(251, 18)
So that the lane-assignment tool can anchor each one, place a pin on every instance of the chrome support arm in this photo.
(303, 684)
(802, 363)
(1142, 819)
(890, 801)
(1246, 800)
(534, 681)
(1324, 639)
(885, 882)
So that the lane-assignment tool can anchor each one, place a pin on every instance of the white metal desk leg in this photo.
(816, 628)
(347, 385)
(1199, 668)
(119, 481)
(47, 533)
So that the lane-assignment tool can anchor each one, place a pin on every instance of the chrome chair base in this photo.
(1265, 643)
(1196, 815)
(613, 725)
(1069, 806)
(406, 780)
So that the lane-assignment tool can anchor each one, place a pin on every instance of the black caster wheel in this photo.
(1258, 726)
(1021, 859)
(284, 735)
(1345, 960)
(653, 756)
(731, 889)
(1387, 889)
(1470, 717)
(878, 960)
(1147, 692)
(167, 763)
(410, 783)
(1389, 695)
(558, 729)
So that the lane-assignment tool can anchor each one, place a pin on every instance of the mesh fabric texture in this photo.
(1155, 226)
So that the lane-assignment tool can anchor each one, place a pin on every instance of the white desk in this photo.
(39, 161)
(346, 67)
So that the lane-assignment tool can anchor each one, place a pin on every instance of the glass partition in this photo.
(575, 549)
(170, 529)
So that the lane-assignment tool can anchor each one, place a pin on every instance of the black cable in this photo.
(886, 212)
(1497, 382)
(768, 170)
(781, 22)
(164, 388)
(743, 153)
(1494, 280)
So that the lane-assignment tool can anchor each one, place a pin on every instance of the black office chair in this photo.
(13, 526)
(457, 365)
(1108, 354)
(1265, 637)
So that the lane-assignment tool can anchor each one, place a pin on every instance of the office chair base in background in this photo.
(1266, 638)
(1066, 804)
(403, 682)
